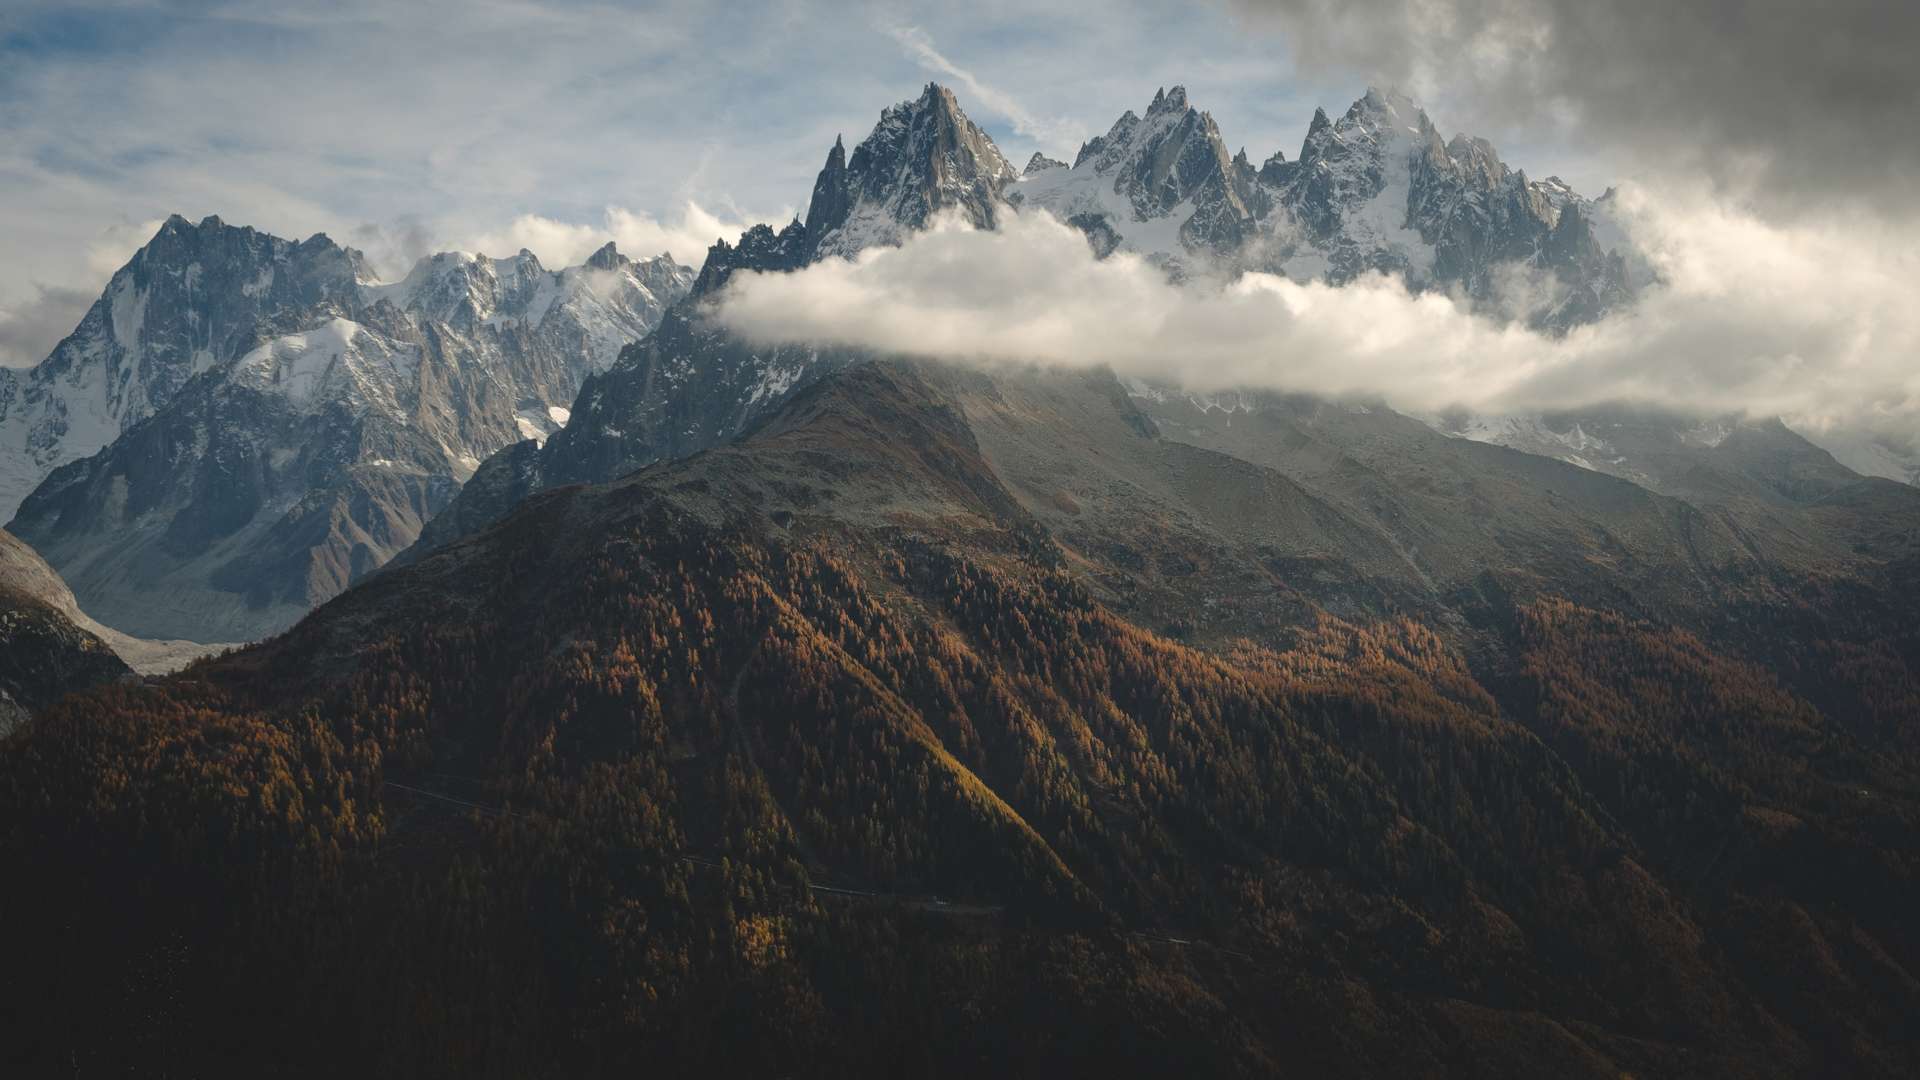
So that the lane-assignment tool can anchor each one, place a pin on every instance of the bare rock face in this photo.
(924, 156)
(760, 250)
(195, 298)
(1375, 190)
(1040, 163)
(284, 423)
(1163, 184)
(1379, 190)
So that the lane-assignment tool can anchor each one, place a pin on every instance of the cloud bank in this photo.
(1812, 324)
(1794, 104)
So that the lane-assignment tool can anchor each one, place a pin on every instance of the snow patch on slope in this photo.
(1532, 435)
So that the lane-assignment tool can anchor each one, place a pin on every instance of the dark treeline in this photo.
(574, 827)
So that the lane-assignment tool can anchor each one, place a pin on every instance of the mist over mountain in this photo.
(1163, 189)
(1361, 611)
(1389, 264)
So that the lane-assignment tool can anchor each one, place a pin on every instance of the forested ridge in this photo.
(633, 784)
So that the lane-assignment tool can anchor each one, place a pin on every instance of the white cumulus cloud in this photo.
(1811, 322)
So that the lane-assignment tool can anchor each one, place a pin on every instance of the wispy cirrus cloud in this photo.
(1052, 134)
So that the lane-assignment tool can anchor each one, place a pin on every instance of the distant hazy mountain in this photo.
(242, 424)
(191, 301)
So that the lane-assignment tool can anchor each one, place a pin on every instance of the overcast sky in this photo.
(399, 127)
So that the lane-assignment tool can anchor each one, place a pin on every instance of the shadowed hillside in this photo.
(957, 724)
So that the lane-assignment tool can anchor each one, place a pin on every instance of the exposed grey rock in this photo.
(689, 386)
(1099, 231)
(759, 249)
(924, 156)
(1169, 168)
(1040, 162)
(273, 478)
(1376, 189)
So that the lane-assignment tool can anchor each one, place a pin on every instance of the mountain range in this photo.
(243, 425)
(1163, 187)
(333, 421)
(791, 710)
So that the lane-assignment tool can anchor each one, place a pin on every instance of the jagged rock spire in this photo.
(832, 200)
(922, 157)
(607, 258)
(1040, 163)
(1168, 100)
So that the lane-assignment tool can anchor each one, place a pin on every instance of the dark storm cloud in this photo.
(1795, 102)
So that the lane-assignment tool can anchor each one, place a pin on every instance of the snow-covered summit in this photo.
(200, 296)
(924, 156)
(1161, 185)
(254, 421)
(1376, 189)
(194, 298)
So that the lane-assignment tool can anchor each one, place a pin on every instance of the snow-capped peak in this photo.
(194, 297)
(1040, 162)
(1379, 112)
(1159, 184)
(200, 298)
(922, 157)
